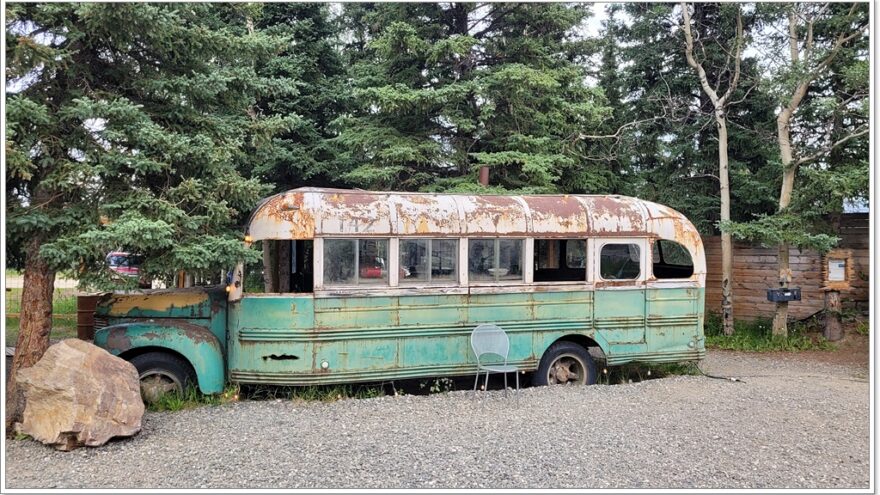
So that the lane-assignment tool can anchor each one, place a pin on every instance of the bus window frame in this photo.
(694, 277)
(596, 252)
(318, 264)
(526, 247)
(587, 280)
(430, 283)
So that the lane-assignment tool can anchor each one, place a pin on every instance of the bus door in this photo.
(620, 274)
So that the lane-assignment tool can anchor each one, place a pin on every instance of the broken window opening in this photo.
(286, 267)
(560, 260)
(671, 260)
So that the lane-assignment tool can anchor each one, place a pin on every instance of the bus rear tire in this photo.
(565, 363)
(162, 373)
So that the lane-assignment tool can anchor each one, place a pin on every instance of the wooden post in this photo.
(833, 327)
(283, 266)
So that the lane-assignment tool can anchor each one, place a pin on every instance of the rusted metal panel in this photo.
(493, 216)
(85, 315)
(194, 302)
(614, 215)
(342, 338)
(306, 213)
(197, 344)
(354, 213)
(557, 216)
(423, 214)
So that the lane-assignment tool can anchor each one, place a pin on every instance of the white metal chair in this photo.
(491, 339)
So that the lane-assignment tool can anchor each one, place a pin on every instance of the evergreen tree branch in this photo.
(828, 149)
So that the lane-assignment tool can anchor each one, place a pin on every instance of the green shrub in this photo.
(757, 336)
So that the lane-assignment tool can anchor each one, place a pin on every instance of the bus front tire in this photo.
(162, 373)
(566, 363)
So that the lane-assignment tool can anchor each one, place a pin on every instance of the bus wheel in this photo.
(162, 373)
(566, 363)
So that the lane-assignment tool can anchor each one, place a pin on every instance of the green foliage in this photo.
(757, 336)
(314, 393)
(436, 94)
(829, 139)
(192, 398)
(308, 78)
(773, 230)
(437, 385)
(127, 131)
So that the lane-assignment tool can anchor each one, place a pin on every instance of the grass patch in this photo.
(757, 336)
(63, 301)
(192, 398)
(863, 328)
(63, 314)
(637, 372)
(63, 327)
(314, 393)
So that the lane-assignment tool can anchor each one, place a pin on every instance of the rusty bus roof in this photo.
(306, 213)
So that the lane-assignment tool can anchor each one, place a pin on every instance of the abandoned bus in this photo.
(378, 286)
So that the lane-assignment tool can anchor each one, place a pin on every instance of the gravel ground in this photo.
(792, 423)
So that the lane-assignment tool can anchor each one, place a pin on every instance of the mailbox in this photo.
(784, 294)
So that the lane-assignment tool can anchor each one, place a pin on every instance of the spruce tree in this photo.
(443, 89)
(310, 67)
(126, 125)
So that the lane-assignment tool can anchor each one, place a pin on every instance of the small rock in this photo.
(79, 394)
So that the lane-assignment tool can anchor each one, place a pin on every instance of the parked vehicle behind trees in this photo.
(561, 274)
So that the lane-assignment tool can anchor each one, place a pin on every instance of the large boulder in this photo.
(79, 394)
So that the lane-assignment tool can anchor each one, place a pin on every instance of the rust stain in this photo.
(307, 212)
(122, 304)
(618, 283)
(117, 340)
(196, 333)
(422, 226)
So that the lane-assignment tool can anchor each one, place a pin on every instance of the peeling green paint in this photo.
(286, 339)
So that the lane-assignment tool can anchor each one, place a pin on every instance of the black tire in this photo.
(565, 363)
(161, 373)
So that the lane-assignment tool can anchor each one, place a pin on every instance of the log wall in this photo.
(755, 270)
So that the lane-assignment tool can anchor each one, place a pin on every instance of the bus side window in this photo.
(671, 260)
(428, 261)
(560, 260)
(286, 266)
(495, 260)
(356, 262)
(619, 262)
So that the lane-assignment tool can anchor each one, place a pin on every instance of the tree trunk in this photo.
(35, 323)
(726, 241)
(720, 106)
(780, 319)
(833, 327)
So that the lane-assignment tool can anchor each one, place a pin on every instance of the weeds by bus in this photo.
(376, 286)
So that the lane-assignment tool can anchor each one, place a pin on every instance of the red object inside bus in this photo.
(371, 272)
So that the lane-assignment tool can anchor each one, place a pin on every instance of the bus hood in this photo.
(189, 303)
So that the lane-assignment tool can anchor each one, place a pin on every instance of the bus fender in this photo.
(596, 337)
(195, 343)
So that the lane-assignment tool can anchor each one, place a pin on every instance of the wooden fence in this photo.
(755, 270)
